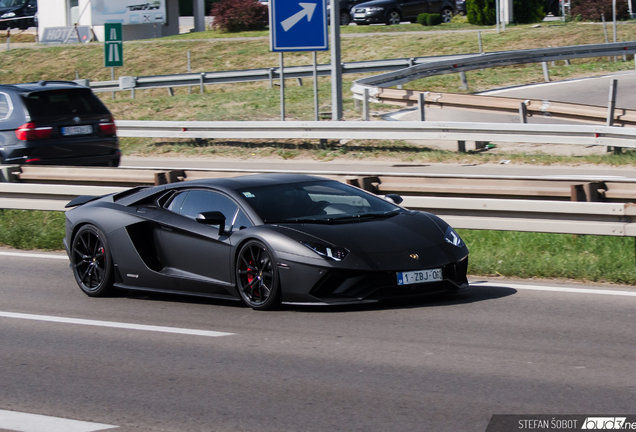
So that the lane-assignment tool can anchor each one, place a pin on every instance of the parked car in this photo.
(263, 239)
(12, 9)
(395, 11)
(55, 123)
(460, 7)
(345, 10)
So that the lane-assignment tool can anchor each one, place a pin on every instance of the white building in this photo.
(61, 13)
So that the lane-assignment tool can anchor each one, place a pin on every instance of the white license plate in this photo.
(419, 276)
(358, 15)
(77, 130)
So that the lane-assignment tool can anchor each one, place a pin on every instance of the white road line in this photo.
(33, 255)
(24, 422)
(555, 289)
(112, 324)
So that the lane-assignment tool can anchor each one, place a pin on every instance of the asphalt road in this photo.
(445, 364)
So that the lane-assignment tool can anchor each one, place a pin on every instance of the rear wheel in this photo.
(447, 15)
(257, 276)
(91, 261)
(393, 18)
(344, 18)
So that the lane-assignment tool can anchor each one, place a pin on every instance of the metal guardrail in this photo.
(252, 75)
(606, 219)
(586, 135)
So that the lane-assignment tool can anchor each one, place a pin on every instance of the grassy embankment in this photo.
(513, 254)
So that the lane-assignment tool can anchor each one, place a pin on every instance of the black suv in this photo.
(55, 123)
(11, 10)
(395, 11)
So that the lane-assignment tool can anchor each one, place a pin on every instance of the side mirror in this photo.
(394, 198)
(212, 218)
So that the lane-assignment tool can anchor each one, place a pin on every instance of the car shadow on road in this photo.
(472, 295)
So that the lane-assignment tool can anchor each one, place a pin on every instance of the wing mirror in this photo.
(212, 218)
(394, 198)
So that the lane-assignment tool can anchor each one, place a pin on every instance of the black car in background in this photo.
(345, 10)
(55, 123)
(396, 11)
(10, 10)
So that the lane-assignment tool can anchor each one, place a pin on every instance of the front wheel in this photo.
(345, 19)
(393, 18)
(91, 262)
(257, 276)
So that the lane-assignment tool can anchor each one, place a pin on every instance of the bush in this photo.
(422, 19)
(433, 20)
(484, 12)
(528, 11)
(481, 12)
(239, 15)
(429, 19)
(591, 10)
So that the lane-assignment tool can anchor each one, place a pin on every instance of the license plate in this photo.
(358, 15)
(77, 130)
(419, 276)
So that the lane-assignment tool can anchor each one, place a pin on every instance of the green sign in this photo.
(113, 45)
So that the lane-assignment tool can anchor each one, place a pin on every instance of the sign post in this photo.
(297, 25)
(113, 45)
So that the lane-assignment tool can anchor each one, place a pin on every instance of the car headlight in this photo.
(375, 9)
(332, 252)
(8, 15)
(453, 238)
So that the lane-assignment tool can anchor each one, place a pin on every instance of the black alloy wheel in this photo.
(345, 19)
(91, 262)
(257, 276)
(447, 15)
(393, 18)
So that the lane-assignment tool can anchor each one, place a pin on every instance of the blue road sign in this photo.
(298, 25)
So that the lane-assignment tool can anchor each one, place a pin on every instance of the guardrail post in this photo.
(546, 72)
(299, 81)
(462, 75)
(411, 62)
(170, 91)
(8, 39)
(481, 50)
(611, 102)
(420, 106)
(365, 104)
(461, 146)
(270, 75)
(523, 112)
(201, 78)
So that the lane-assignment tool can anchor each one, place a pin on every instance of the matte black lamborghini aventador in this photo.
(265, 239)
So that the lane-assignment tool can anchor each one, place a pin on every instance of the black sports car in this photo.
(265, 239)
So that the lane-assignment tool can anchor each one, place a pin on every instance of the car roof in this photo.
(249, 181)
(41, 85)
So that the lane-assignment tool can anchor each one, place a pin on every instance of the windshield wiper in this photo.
(364, 216)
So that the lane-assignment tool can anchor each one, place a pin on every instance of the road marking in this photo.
(33, 255)
(112, 324)
(556, 289)
(24, 422)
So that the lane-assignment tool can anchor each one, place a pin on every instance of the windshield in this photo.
(316, 202)
(10, 3)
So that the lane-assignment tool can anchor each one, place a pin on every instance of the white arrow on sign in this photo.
(308, 9)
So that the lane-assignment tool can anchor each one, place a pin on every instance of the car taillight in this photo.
(30, 132)
(108, 127)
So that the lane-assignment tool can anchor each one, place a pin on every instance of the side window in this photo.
(241, 221)
(176, 202)
(199, 201)
(5, 106)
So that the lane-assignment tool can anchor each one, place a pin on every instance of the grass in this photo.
(501, 253)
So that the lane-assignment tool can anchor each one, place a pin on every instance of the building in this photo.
(141, 19)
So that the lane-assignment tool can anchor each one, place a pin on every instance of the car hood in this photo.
(384, 244)
(16, 9)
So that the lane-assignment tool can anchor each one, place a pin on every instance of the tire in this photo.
(345, 19)
(447, 15)
(257, 276)
(91, 262)
(393, 18)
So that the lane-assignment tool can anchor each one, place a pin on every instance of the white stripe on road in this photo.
(24, 422)
(111, 324)
(555, 289)
(33, 255)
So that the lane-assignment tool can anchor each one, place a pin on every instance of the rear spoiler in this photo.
(80, 200)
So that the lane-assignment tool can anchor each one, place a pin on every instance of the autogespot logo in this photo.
(607, 423)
